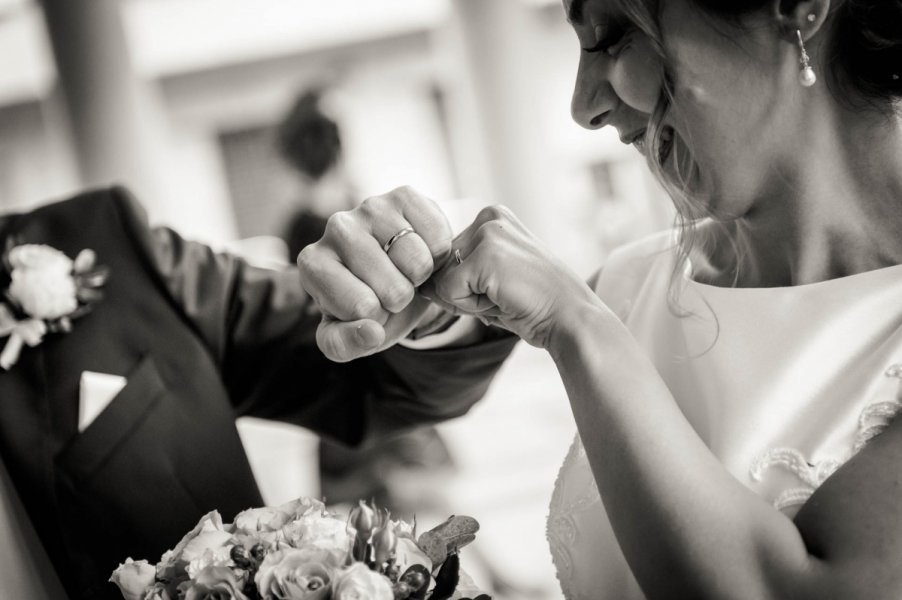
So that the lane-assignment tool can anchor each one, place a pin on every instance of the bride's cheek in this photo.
(637, 77)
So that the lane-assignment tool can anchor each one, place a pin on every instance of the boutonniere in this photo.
(43, 291)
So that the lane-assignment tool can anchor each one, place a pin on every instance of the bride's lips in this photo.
(637, 140)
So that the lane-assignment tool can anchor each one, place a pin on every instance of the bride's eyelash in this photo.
(615, 33)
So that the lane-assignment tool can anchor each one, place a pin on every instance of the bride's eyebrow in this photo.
(575, 12)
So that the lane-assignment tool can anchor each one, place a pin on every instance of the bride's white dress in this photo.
(782, 384)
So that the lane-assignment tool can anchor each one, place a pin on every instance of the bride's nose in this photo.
(593, 97)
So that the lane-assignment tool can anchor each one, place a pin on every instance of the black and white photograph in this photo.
(450, 300)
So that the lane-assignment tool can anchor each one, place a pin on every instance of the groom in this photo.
(120, 393)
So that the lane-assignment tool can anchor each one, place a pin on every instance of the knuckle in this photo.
(405, 192)
(310, 265)
(376, 208)
(304, 259)
(369, 204)
(406, 196)
(504, 212)
(341, 225)
(491, 212)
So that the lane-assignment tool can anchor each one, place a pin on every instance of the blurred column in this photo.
(498, 43)
(109, 110)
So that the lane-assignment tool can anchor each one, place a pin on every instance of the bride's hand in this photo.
(507, 277)
(367, 294)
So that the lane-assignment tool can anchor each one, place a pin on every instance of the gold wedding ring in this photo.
(395, 238)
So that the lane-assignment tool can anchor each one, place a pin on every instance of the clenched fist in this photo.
(364, 272)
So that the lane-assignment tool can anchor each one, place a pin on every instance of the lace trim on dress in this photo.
(872, 421)
(561, 530)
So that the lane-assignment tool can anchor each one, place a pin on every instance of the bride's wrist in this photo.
(586, 320)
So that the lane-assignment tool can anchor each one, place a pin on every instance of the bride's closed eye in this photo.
(613, 38)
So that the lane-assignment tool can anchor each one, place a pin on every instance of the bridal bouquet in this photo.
(300, 551)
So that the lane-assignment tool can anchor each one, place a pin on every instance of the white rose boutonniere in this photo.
(44, 290)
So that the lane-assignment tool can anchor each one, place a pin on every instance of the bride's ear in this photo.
(806, 16)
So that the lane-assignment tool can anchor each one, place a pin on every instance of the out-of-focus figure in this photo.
(310, 142)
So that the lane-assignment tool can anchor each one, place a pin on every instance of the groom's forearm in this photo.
(427, 386)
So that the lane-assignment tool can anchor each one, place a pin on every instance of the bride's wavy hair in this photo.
(865, 58)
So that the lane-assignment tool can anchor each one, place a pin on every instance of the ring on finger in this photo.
(395, 238)
(457, 257)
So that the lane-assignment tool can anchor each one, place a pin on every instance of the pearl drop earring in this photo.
(806, 76)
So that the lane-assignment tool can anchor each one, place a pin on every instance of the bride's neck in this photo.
(833, 206)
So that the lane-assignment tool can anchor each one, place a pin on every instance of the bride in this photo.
(734, 382)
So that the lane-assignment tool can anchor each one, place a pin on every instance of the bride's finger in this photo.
(458, 285)
(344, 341)
(501, 215)
(476, 306)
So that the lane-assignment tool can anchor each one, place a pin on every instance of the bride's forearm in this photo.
(686, 526)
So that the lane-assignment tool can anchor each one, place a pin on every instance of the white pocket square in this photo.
(96, 391)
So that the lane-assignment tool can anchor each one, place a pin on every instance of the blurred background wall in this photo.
(467, 100)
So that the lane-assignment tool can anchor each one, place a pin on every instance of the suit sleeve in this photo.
(259, 326)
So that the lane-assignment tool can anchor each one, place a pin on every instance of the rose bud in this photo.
(362, 518)
(384, 541)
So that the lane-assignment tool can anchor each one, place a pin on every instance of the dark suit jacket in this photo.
(202, 338)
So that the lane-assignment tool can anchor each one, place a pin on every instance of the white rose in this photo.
(213, 583)
(267, 518)
(44, 294)
(320, 531)
(273, 518)
(134, 578)
(42, 281)
(157, 592)
(212, 533)
(302, 507)
(220, 556)
(209, 538)
(40, 257)
(358, 582)
(296, 575)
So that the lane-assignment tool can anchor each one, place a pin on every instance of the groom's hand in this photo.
(364, 272)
